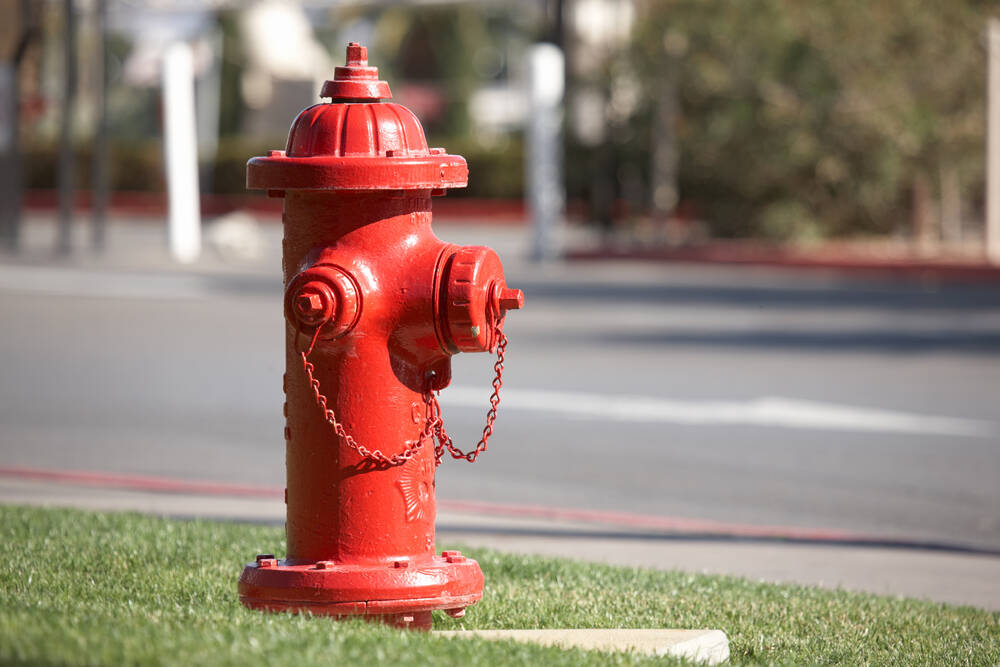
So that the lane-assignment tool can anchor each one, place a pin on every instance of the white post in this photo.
(181, 149)
(993, 143)
(543, 170)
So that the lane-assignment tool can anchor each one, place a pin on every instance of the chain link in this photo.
(443, 440)
(376, 455)
(433, 422)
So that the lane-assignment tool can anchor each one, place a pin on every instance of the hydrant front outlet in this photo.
(375, 306)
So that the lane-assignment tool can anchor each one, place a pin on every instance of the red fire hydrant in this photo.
(375, 306)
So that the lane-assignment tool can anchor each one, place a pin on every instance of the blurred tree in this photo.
(431, 47)
(437, 57)
(814, 119)
(915, 85)
(231, 99)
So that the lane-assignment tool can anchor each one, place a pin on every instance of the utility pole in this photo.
(99, 173)
(11, 162)
(993, 142)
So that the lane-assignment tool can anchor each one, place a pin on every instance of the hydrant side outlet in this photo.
(375, 306)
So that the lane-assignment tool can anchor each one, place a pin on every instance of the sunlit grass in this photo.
(88, 588)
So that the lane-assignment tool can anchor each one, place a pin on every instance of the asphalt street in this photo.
(765, 397)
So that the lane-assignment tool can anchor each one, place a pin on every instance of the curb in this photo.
(735, 254)
(707, 646)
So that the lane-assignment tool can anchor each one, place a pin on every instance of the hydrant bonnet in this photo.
(357, 142)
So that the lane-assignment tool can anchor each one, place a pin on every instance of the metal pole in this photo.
(208, 100)
(10, 156)
(11, 167)
(557, 23)
(665, 153)
(993, 143)
(99, 184)
(64, 241)
(181, 149)
(543, 171)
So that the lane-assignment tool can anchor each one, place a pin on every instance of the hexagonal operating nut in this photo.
(308, 304)
(323, 297)
(511, 299)
(506, 298)
(314, 303)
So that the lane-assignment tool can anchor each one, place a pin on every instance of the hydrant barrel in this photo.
(341, 507)
(375, 306)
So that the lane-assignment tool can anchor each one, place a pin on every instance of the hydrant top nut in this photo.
(356, 80)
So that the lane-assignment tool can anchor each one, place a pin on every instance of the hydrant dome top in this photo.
(358, 130)
(357, 142)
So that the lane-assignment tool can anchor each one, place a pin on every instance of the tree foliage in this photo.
(816, 118)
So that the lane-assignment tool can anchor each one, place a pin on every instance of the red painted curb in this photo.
(649, 522)
(154, 204)
(750, 254)
(141, 482)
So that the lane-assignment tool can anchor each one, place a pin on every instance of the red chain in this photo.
(374, 455)
(444, 441)
(433, 424)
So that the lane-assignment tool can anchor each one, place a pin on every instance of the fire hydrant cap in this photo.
(476, 298)
(357, 142)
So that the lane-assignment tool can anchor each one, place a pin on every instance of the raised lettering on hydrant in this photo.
(375, 306)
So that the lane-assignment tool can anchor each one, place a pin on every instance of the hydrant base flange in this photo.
(396, 589)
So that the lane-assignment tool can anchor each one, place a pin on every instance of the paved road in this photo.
(742, 395)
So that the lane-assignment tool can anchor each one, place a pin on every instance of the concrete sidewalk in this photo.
(938, 575)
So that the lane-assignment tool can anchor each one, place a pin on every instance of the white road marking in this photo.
(765, 411)
(122, 285)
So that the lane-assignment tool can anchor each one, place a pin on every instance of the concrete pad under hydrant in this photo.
(708, 646)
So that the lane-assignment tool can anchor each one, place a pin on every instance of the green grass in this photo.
(86, 588)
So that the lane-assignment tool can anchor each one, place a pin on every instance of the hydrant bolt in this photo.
(267, 560)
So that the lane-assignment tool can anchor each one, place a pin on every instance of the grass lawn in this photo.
(88, 588)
